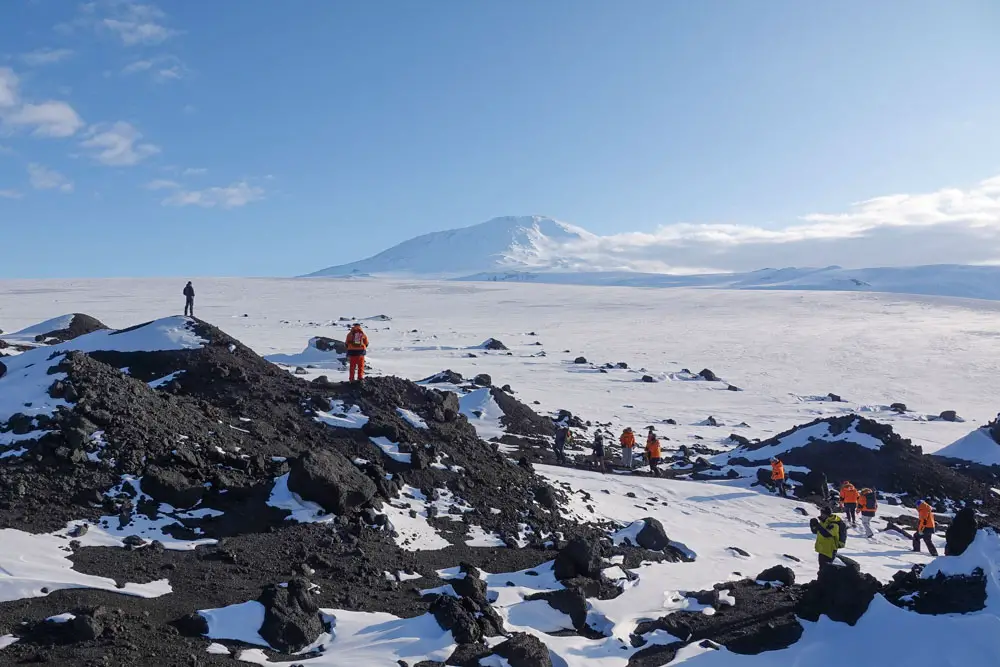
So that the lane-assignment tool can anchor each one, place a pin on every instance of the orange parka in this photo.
(849, 494)
(777, 470)
(627, 439)
(926, 513)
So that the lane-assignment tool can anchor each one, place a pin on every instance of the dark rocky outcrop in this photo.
(494, 344)
(171, 486)
(331, 480)
(961, 532)
(292, 618)
(579, 558)
(482, 380)
(524, 650)
(325, 344)
(80, 325)
(706, 374)
(842, 593)
(652, 536)
(779, 573)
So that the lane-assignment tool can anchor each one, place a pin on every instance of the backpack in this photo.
(842, 530)
(358, 338)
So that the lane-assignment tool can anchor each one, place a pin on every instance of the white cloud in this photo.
(46, 119)
(134, 23)
(162, 184)
(116, 144)
(161, 68)
(9, 95)
(43, 178)
(10, 194)
(40, 57)
(194, 171)
(232, 196)
(951, 225)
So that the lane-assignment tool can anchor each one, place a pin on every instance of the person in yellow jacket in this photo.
(827, 532)
(925, 528)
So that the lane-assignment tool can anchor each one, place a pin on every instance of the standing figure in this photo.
(778, 475)
(867, 503)
(849, 497)
(357, 348)
(600, 456)
(627, 441)
(827, 532)
(925, 528)
(653, 454)
(563, 436)
(189, 300)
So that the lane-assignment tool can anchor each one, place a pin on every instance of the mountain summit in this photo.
(507, 243)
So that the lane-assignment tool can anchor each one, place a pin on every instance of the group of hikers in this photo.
(600, 456)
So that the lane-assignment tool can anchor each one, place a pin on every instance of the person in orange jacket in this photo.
(778, 475)
(868, 504)
(653, 454)
(849, 497)
(627, 441)
(925, 528)
(357, 348)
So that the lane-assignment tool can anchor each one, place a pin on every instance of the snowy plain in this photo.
(784, 350)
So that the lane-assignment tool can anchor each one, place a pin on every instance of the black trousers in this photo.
(560, 450)
(780, 483)
(851, 509)
(189, 306)
(925, 536)
(824, 561)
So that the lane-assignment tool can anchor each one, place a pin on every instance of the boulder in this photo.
(835, 398)
(482, 380)
(325, 344)
(842, 593)
(780, 573)
(648, 378)
(524, 650)
(580, 557)
(571, 601)
(494, 344)
(454, 615)
(898, 407)
(580, 360)
(171, 486)
(652, 536)
(448, 376)
(292, 618)
(706, 374)
(960, 594)
(711, 421)
(331, 480)
(961, 532)
(546, 497)
(948, 416)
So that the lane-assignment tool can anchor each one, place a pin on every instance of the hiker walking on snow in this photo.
(925, 528)
(827, 531)
(627, 441)
(778, 475)
(189, 300)
(357, 348)
(867, 503)
(599, 453)
(563, 436)
(849, 497)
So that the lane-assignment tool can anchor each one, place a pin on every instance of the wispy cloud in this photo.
(162, 184)
(132, 23)
(194, 171)
(232, 196)
(117, 144)
(45, 119)
(9, 95)
(43, 178)
(161, 68)
(10, 194)
(40, 57)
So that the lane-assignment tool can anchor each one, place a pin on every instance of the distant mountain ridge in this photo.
(540, 249)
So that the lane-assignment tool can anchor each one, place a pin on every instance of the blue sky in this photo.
(251, 137)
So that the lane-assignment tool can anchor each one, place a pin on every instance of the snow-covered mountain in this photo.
(508, 243)
(543, 250)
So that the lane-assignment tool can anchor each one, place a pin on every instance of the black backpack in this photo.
(842, 529)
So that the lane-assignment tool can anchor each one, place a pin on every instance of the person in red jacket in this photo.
(357, 348)
(627, 441)
(925, 528)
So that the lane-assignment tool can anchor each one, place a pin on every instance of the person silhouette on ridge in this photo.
(189, 300)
